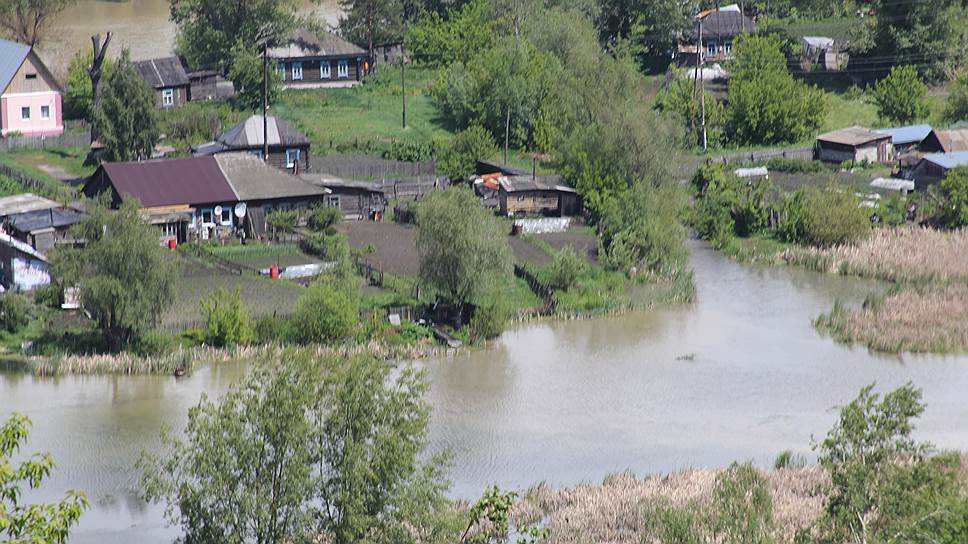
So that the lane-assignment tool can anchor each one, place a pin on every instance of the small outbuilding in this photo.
(946, 141)
(934, 167)
(906, 139)
(537, 195)
(37, 221)
(288, 148)
(360, 200)
(168, 78)
(855, 144)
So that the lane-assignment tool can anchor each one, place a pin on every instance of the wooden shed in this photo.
(537, 195)
(168, 78)
(854, 144)
(946, 141)
(360, 200)
(933, 168)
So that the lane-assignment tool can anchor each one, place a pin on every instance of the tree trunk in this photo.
(96, 71)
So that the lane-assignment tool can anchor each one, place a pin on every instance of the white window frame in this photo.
(168, 97)
(290, 161)
(226, 212)
(169, 230)
(728, 48)
(325, 69)
(45, 112)
(25, 113)
(712, 48)
(297, 71)
(343, 69)
(211, 217)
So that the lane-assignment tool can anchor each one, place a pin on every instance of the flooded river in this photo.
(143, 26)
(739, 375)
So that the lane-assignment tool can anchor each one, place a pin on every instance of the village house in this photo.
(168, 78)
(720, 27)
(854, 144)
(288, 148)
(537, 195)
(307, 59)
(934, 167)
(30, 97)
(946, 141)
(204, 197)
(22, 268)
(359, 200)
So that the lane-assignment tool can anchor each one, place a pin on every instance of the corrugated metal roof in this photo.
(948, 161)
(12, 55)
(907, 135)
(252, 179)
(852, 136)
(953, 140)
(248, 135)
(304, 43)
(162, 73)
(513, 184)
(170, 182)
(43, 219)
(26, 202)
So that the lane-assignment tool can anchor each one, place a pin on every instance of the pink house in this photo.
(30, 97)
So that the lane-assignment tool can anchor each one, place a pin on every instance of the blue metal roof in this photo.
(907, 135)
(12, 55)
(948, 161)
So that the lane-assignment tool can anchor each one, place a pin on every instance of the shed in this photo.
(946, 141)
(26, 202)
(933, 168)
(288, 148)
(42, 229)
(356, 199)
(168, 78)
(907, 138)
(854, 144)
(537, 195)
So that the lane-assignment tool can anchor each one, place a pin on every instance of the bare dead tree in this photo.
(26, 20)
(96, 70)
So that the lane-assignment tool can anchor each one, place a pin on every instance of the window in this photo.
(292, 157)
(169, 230)
(343, 69)
(296, 71)
(281, 70)
(207, 217)
(45, 112)
(31, 76)
(728, 48)
(226, 218)
(711, 48)
(25, 112)
(331, 201)
(325, 70)
(168, 97)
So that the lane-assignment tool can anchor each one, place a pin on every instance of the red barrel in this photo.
(274, 272)
(173, 244)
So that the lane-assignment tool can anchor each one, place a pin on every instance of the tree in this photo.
(682, 101)
(459, 157)
(126, 118)
(326, 313)
(126, 279)
(48, 523)
(954, 190)
(328, 446)
(78, 97)
(210, 30)
(464, 253)
(929, 35)
(956, 107)
(652, 27)
(371, 21)
(899, 97)
(246, 76)
(226, 322)
(824, 217)
(26, 20)
(766, 105)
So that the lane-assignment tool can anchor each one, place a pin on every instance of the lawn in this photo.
(49, 166)
(263, 256)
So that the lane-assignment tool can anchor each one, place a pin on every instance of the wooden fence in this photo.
(367, 167)
(805, 153)
(68, 139)
(538, 288)
(31, 183)
(412, 188)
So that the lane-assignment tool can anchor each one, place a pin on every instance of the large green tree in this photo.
(126, 279)
(26, 21)
(765, 104)
(899, 97)
(78, 97)
(209, 30)
(464, 253)
(20, 522)
(956, 106)
(954, 190)
(371, 22)
(306, 445)
(247, 79)
(650, 27)
(126, 118)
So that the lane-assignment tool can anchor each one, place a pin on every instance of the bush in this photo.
(323, 217)
(956, 106)
(14, 312)
(270, 329)
(489, 321)
(325, 314)
(409, 151)
(954, 192)
(153, 343)
(564, 270)
(899, 97)
(50, 295)
(226, 322)
(823, 217)
(458, 159)
(729, 205)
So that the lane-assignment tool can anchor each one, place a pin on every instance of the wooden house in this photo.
(307, 59)
(360, 200)
(934, 167)
(168, 78)
(288, 148)
(537, 195)
(854, 144)
(720, 27)
(946, 141)
(30, 97)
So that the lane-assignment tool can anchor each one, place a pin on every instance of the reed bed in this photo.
(909, 319)
(901, 255)
(613, 511)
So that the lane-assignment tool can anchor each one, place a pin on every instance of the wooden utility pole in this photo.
(265, 101)
(507, 133)
(96, 71)
(702, 88)
(403, 82)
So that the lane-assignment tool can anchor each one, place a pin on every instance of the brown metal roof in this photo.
(170, 182)
(853, 136)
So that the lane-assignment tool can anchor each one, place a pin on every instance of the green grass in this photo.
(759, 248)
(838, 28)
(30, 163)
(843, 112)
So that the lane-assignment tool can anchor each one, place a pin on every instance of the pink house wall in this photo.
(12, 120)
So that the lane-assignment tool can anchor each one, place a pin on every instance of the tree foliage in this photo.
(14, 312)
(126, 118)
(326, 313)
(226, 321)
(370, 22)
(246, 76)
(436, 41)
(20, 522)
(458, 158)
(306, 445)
(26, 21)
(899, 97)
(766, 105)
(823, 217)
(78, 98)
(956, 106)
(954, 191)
(651, 27)
(727, 205)
(464, 253)
(126, 279)
(682, 102)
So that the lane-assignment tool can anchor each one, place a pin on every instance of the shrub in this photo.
(956, 107)
(283, 219)
(823, 217)
(564, 270)
(489, 321)
(325, 313)
(458, 158)
(729, 205)
(409, 150)
(323, 217)
(152, 344)
(899, 97)
(226, 322)
(272, 329)
(954, 191)
(14, 312)
(50, 295)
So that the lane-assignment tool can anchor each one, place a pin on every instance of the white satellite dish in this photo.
(240, 210)
(218, 211)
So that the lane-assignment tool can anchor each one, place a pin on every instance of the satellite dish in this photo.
(218, 211)
(240, 210)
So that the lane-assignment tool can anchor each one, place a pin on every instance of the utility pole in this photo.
(265, 101)
(507, 133)
(403, 82)
(702, 89)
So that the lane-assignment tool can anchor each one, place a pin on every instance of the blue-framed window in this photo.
(292, 157)
(297, 73)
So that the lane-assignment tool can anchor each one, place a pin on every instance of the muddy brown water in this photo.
(739, 375)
